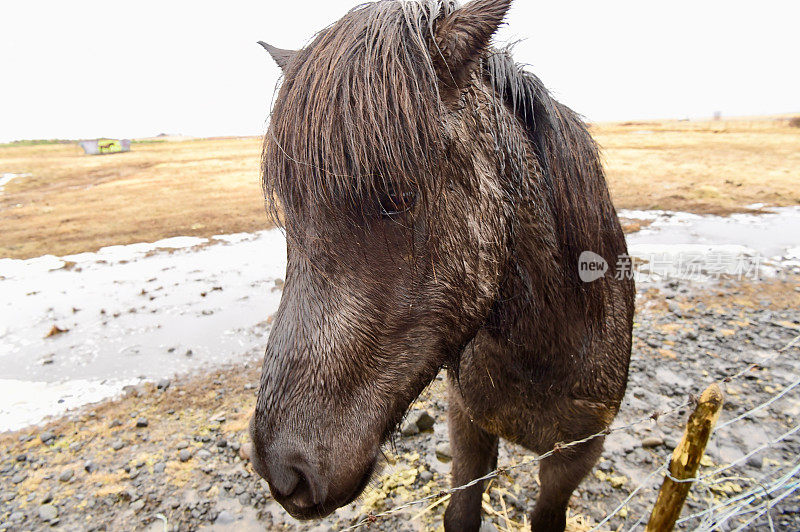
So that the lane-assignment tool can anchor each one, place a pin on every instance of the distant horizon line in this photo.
(174, 136)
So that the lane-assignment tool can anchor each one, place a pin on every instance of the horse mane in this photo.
(359, 111)
(569, 161)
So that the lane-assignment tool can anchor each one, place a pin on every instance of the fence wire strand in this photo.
(656, 416)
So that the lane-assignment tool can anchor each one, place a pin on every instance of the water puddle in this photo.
(149, 311)
(702, 248)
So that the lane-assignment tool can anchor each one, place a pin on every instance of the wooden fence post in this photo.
(686, 460)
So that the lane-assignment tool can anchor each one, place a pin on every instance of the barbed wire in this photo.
(655, 416)
(665, 467)
(502, 470)
(761, 406)
(630, 497)
(735, 462)
(762, 488)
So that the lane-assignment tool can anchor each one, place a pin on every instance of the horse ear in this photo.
(460, 38)
(282, 57)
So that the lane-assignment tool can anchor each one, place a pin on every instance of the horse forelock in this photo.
(359, 111)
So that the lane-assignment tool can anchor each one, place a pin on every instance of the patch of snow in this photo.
(24, 403)
(151, 310)
(179, 242)
(7, 178)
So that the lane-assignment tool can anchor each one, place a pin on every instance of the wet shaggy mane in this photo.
(569, 161)
(359, 112)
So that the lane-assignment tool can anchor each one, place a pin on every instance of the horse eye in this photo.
(394, 203)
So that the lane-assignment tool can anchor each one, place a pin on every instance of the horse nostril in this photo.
(304, 495)
(294, 480)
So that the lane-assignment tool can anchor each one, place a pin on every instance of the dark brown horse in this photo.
(436, 201)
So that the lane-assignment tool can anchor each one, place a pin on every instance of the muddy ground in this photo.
(169, 455)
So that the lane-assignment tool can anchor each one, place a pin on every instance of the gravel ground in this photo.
(170, 455)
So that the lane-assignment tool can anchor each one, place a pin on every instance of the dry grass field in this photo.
(74, 203)
(715, 167)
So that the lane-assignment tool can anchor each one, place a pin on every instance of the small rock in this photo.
(19, 477)
(620, 443)
(652, 441)
(423, 420)
(443, 452)
(163, 384)
(46, 436)
(224, 518)
(185, 455)
(160, 467)
(729, 454)
(219, 418)
(141, 423)
(222, 443)
(66, 475)
(22, 457)
(48, 512)
(425, 476)
(182, 445)
(669, 377)
(89, 466)
(16, 517)
(203, 454)
(409, 428)
(117, 444)
(245, 451)
(137, 505)
(756, 461)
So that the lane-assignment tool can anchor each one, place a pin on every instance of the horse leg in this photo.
(559, 475)
(474, 454)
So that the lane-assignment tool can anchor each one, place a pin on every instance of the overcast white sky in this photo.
(83, 69)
